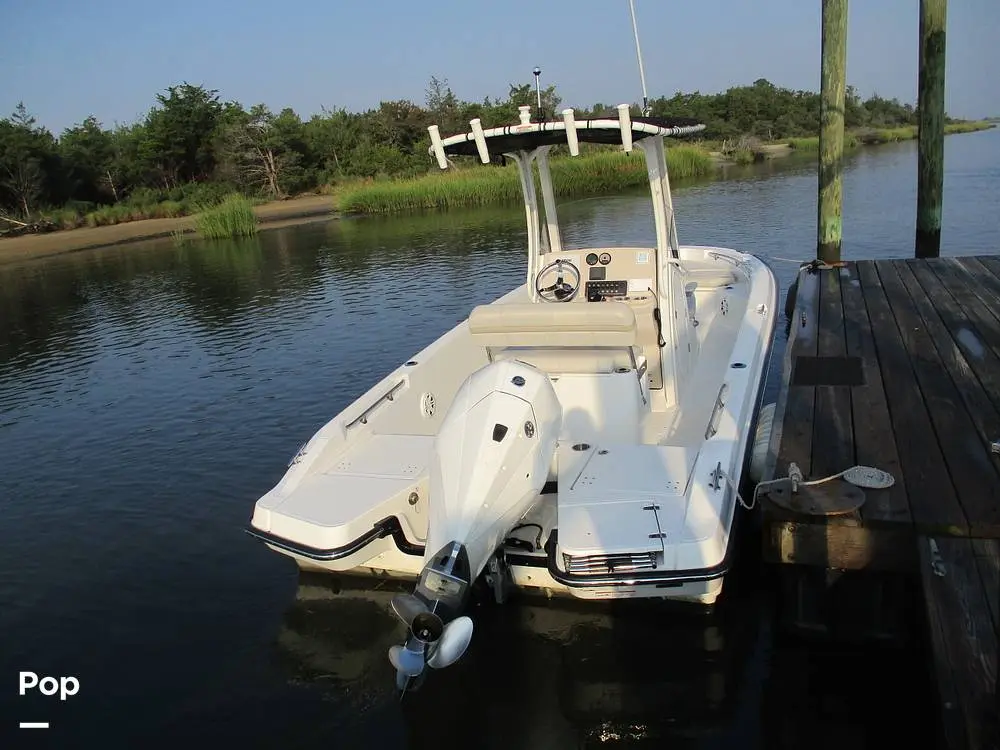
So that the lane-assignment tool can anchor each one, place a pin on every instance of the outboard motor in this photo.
(491, 460)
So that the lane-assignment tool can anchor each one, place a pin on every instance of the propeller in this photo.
(454, 641)
(406, 660)
(430, 642)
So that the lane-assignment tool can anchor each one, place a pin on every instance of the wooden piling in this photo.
(833, 84)
(930, 147)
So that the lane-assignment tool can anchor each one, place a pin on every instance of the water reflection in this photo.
(539, 673)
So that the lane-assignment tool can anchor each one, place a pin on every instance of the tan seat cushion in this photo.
(581, 324)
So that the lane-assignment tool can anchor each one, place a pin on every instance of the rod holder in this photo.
(477, 133)
(438, 146)
(571, 139)
(625, 120)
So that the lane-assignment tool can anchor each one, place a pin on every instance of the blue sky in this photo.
(109, 58)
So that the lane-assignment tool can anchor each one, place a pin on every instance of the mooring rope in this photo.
(860, 476)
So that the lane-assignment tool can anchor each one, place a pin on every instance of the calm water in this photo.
(149, 395)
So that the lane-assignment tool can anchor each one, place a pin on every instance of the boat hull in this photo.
(388, 539)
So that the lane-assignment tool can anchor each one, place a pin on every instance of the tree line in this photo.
(193, 146)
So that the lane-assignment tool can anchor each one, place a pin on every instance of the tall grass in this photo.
(811, 143)
(742, 156)
(602, 171)
(233, 217)
(969, 127)
(911, 132)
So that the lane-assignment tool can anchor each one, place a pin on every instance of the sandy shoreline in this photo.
(14, 249)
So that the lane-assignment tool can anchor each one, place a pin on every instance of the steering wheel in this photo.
(560, 290)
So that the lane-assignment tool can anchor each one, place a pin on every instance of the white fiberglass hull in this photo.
(640, 500)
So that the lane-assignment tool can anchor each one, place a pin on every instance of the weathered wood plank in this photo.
(972, 324)
(963, 640)
(797, 419)
(986, 271)
(874, 440)
(791, 441)
(988, 559)
(970, 287)
(990, 264)
(933, 503)
(948, 383)
(833, 436)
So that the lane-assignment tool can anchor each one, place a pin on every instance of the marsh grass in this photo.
(811, 143)
(233, 217)
(742, 156)
(603, 171)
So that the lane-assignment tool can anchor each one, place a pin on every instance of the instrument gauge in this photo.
(605, 258)
(591, 259)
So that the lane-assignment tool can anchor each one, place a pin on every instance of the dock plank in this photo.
(797, 418)
(833, 434)
(980, 306)
(991, 278)
(874, 438)
(988, 559)
(933, 502)
(948, 383)
(971, 323)
(963, 640)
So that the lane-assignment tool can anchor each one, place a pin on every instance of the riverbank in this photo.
(593, 173)
(407, 194)
(274, 214)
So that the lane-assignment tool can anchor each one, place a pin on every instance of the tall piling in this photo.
(833, 86)
(930, 146)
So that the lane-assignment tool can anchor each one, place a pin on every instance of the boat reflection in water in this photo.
(549, 673)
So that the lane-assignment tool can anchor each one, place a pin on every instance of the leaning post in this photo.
(833, 85)
(930, 146)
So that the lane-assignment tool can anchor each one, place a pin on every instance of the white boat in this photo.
(584, 434)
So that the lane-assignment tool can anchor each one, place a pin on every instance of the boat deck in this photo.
(896, 364)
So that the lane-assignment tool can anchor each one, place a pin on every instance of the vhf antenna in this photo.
(638, 53)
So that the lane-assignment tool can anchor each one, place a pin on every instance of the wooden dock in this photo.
(895, 364)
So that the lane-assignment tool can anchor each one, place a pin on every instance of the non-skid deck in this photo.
(896, 364)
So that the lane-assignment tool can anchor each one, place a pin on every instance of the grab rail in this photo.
(720, 402)
(387, 396)
(740, 263)
(722, 256)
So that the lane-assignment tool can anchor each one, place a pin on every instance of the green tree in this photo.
(181, 133)
(29, 164)
(264, 151)
(88, 152)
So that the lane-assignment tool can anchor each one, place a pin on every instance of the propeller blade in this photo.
(454, 641)
(407, 606)
(406, 662)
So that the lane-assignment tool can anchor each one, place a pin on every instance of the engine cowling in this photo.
(491, 460)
